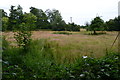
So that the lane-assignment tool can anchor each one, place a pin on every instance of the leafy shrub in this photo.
(23, 37)
(105, 68)
(72, 27)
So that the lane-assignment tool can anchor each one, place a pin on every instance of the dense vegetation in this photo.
(97, 24)
(41, 61)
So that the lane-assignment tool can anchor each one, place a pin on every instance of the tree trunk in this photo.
(94, 32)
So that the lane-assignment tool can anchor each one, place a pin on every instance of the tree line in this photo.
(38, 19)
(97, 24)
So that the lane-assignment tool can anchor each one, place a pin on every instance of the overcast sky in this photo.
(81, 11)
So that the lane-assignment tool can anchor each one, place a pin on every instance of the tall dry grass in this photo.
(76, 44)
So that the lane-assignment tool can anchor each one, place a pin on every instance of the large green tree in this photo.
(29, 21)
(15, 17)
(96, 24)
(55, 19)
(72, 27)
(117, 23)
(42, 19)
(113, 24)
(110, 25)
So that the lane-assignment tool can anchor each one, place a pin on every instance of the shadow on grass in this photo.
(62, 32)
(98, 33)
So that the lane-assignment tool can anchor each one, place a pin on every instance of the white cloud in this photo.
(80, 10)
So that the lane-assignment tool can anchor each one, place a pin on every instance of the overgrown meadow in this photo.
(61, 55)
(64, 52)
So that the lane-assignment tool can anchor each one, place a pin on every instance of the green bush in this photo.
(72, 27)
(23, 37)
(105, 68)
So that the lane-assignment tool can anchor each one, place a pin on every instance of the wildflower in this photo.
(107, 65)
(34, 76)
(16, 66)
(116, 58)
(102, 69)
(82, 75)
(14, 73)
(84, 57)
(6, 62)
(107, 74)
(98, 76)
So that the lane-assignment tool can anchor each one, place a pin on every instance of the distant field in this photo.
(75, 44)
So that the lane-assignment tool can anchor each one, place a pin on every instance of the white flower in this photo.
(6, 62)
(107, 65)
(16, 66)
(82, 75)
(116, 58)
(84, 57)
(107, 74)
(14, 73)
(102, 69)
(34, 76)
(98, 76)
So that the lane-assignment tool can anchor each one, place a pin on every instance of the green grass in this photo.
(62, 32)
(75, 56)
(47, 59)
(77, 43)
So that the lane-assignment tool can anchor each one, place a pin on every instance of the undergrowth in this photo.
(40, 61)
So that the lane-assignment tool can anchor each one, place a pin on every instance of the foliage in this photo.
(41, 62)
(23, 37)
(42, 19)
(5, 23)
(5, 43)
(4, 14)
(87, 26)
(113, 24)
(15, 17)
(52, 19)
(72, 27)
(96, 24)
(29, 20)
(117, 23)
(56, 21)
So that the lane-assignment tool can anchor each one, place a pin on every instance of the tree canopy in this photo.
(38, 19)
(96, 24)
